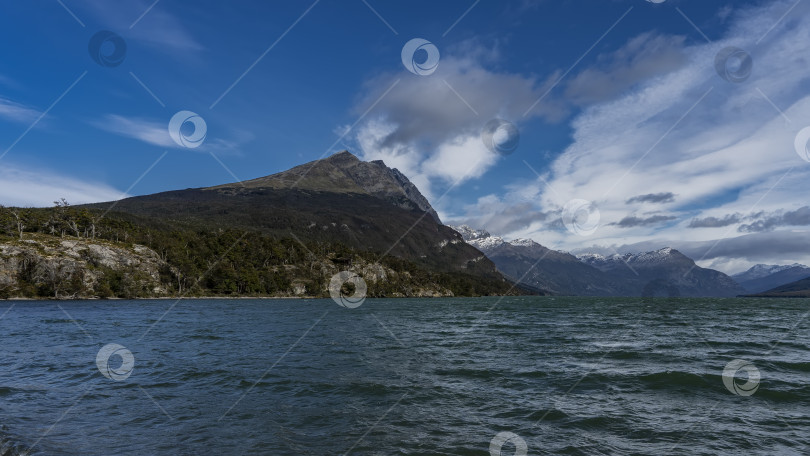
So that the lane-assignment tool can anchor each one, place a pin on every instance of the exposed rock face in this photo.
(78, 269)
(343, 172)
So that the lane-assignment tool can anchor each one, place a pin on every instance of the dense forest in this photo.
(201, 261)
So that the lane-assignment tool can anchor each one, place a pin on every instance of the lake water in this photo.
(406, 377)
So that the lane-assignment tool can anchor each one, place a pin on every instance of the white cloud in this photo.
(37, 188)
(17, 112)
(154, 133)
(157, 134)
(729, 152)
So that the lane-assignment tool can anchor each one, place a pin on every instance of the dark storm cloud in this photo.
(769, 222)
(666, 197)
(715, 222)
(633, 221)
(643, 57)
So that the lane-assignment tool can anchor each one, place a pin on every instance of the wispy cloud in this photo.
(150, 132)
(157, 134)
(680, 129)
(38, 188)
(158, 28)
(17, 112)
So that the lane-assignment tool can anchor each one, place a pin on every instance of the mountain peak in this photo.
(343, 172)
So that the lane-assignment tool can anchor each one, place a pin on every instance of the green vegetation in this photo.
(197, 260)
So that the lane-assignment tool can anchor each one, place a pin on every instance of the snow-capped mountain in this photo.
(607, 263)
(483, 241)
(763, 270)
(763, 277)
(633, 274)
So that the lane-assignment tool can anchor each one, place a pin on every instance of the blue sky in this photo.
(633, 116)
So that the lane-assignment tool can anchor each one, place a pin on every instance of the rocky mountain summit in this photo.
(345, 173)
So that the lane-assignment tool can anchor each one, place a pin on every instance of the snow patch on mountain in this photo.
(483, 241)
(763, 270)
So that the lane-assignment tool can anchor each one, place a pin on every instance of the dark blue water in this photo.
(405, 377)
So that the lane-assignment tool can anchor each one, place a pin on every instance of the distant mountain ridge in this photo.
(597, 275)
(764, 277)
